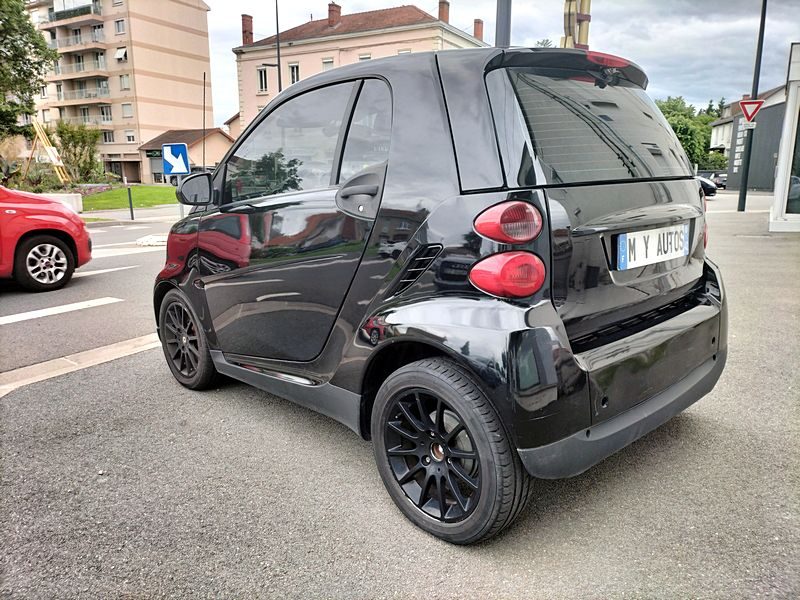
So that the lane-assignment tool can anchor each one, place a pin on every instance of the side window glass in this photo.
(292, 149)
(370, 131)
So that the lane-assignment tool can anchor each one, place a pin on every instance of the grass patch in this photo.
(144, 196)
(94, 219)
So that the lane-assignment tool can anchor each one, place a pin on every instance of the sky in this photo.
(698, 49)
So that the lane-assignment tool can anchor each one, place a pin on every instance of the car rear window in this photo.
(580, 128)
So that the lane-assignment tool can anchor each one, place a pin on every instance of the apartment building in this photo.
(339, 39)
(131, 68)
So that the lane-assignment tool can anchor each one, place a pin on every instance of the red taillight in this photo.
(509, 274)
(607, 60)
(512, 222)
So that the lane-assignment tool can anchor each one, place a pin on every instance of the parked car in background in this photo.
(720, 180)
(548, 304)
(42, 241)
(709, 187)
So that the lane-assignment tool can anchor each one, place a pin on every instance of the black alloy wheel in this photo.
(443, 453)
(432, 456)
(184, 343)
(181, 339)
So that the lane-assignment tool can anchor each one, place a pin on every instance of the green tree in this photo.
(720, 106)
(690, 136)
(24, 60)
(715, 161)
(77, 146)
(676, 106)
(544, 43)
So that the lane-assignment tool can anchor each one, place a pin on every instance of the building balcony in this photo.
(78, 43)
(91, 14)
(88, 96)
(87, 69)
(93, 121)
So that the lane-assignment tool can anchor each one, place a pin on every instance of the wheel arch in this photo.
(159, 292)
(393, 356)
(56, 233)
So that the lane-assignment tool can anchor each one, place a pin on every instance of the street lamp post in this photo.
(748, 144)
(278, 46)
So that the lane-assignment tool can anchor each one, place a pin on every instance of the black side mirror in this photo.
(195, 190)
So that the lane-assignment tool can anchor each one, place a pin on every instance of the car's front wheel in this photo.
(444, 455)
(184, 343)
(43, 263)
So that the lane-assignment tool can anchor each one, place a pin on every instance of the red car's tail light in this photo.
(512, 222)
(607, 60)
(508, 274)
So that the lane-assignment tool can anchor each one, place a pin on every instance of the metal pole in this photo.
(130, 202)
(278, 46)
(204, 120)
(502, 32)
(748, 143)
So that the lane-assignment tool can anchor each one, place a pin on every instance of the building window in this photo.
(76, 35)
(78, 62)
(294, 72)
(59, 91)
(97, 33)
(327, 64)
(125, 82)
(121, 54)
(108, 137)
(117, 3)
(127, 110)
(105, 114)
(130, 136)
(364, 56)
(262, 79)
(43, 91)
(45, 115)
(119, 26)
(85, 115)
(406, 51)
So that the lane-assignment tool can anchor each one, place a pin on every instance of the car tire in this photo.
(184, 343)
(374, 337)
(43, 263)
(426, 461)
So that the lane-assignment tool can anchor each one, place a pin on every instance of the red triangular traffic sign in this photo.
(750, 108)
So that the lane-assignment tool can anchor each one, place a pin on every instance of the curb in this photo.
(99, 224)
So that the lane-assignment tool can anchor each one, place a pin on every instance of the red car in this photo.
(42, 241)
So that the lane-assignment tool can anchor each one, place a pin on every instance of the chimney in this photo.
(444, 11)
(247, 30)
(478, 29)
(334, 14)
(745, 96)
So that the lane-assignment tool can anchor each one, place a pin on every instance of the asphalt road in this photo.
(120, 269)
(117, 482)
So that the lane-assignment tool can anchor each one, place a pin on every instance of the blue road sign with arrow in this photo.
(175, 158)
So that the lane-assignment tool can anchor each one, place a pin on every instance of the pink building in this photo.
(340, 39)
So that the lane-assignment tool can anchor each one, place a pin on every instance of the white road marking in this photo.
(116, 226)
(158, 239)
(57, 310)
(101, 271)
(12, 380)
(712, 211)
(110, 245)
(96, 230)
(109, 252)
(134, 227)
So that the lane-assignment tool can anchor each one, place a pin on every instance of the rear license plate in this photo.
(640, 248)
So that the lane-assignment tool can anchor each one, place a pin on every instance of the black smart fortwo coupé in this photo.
(490, 263)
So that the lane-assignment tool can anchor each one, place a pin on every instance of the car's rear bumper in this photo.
(574, 454)
(602, 399)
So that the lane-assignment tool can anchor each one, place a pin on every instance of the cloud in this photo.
(696, 49)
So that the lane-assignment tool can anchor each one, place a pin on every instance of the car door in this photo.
(299, 197)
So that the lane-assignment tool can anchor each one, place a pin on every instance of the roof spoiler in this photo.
(570, 59)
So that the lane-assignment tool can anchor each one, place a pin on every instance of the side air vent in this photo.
(417, 264)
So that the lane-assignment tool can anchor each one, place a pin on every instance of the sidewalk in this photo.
(728, 201)
(167, 213)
